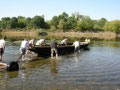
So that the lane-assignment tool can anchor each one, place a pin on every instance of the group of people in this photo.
(29, 44)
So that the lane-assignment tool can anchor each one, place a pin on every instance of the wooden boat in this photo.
(46, 50)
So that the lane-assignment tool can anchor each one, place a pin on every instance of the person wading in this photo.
(2, 47)
(53, 46)
(77, 46)
(23, 48)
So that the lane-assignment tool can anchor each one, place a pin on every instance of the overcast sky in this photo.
(96, 9)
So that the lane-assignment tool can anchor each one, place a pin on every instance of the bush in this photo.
(41, 32)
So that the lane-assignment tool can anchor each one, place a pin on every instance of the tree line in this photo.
(62, 22)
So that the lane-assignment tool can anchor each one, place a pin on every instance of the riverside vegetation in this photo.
(63, 24)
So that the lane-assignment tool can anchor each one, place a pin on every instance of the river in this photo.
(95, 69)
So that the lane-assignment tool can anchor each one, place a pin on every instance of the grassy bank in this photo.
(19, 33)
(100, 35)
(34, 33)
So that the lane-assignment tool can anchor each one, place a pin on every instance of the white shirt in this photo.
(76, 43)
(24, 44)
(62, 42)
(31, 41)
(2, 43)
(39, 42)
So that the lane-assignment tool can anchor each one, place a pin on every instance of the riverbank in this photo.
(14, 34)
(34, 33)
(99, 35)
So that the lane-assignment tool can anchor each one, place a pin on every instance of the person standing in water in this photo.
(23, 48)
(53, 46)
(2, 47)
(77, 46)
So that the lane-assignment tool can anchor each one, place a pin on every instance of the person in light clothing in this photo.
(77, 46)
(64, 41)
(2, 47)
(87, 40)
(24, 48)
(41, 42)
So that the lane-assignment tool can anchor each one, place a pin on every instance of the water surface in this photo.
(94, 69)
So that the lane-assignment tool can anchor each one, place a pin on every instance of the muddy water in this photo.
(95, 69)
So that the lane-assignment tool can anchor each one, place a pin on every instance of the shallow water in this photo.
(94, 69)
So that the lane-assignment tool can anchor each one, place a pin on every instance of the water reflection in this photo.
(3, 81)
(5, 76)
(13, 74)
(54, 66)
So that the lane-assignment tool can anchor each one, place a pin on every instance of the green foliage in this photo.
(62, 22)
(84, 24)
(113, 26)
(21, 22)
(99, 24)
(5, 22)
(54, 22)
(53, 28)
(38, 22)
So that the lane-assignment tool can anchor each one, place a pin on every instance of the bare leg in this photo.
(23, 56)
(56, 55)
(0, 57)
(52, 53)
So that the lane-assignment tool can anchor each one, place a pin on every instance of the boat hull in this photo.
(46, 50)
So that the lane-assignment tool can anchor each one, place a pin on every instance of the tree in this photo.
(113, 26)
(63, 16)
(99, 24)
(21, 22)
(28, 23)
(5, 22)
(38, 22)
(85, 24)
(71, 23)
(13, 23)
(54, 22)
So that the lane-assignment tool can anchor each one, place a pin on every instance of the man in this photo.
(32, 42)
(41, 42)
(2, 47)
(77, 46)
(54, 48)
(64, 41)
(23, 48)
(31, 45)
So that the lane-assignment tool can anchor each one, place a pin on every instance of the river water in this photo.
(95, 69)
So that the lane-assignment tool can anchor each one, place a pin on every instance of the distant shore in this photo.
(100, 35)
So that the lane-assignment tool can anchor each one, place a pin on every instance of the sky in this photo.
(96, 9)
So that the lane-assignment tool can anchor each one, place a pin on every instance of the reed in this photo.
(19, 33)
(100, 35)
(34, 33)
